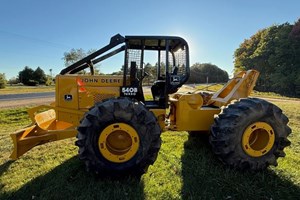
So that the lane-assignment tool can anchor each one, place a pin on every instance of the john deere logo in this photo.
(68, 97)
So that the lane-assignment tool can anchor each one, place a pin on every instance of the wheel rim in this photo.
(118, 142)
(258, 139)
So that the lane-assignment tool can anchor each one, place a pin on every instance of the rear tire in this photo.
(250, 134)
(114, 112)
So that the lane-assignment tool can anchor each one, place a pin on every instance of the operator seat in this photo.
(158, 88)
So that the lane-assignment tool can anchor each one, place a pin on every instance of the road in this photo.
(16, 97)
(28, 99)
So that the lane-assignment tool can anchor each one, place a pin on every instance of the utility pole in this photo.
(50, 73)
(206, 82)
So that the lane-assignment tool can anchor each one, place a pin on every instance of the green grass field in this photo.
(254, 93)
(26, 89)
(185, 169)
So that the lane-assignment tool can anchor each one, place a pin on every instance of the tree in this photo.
(26, 75)
(73, 56)
(206, 72)
(295, 37)
(2, 80)
(39, 76)
(13, 80)
(274, 52)
(30, 77)
(151, 71)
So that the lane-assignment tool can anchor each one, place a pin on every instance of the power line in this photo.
(36, 40)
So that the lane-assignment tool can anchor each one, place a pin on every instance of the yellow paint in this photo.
(75, 94)
(160, 115)
(99, 80)
(26, 139)
(258, 139)
(118, 142)
(45, 128)
(240, 86)
(92, 95)
(66, 85)
(186, 113)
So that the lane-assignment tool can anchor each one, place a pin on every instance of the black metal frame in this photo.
(88, 60)
(177, 42)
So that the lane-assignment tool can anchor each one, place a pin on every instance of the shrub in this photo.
(2, 81)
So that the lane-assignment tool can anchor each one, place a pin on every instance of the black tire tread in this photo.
(233, 117)
(119, 110)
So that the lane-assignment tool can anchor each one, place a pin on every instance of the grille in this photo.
(133, 55)
(179, 60)
(100, 97)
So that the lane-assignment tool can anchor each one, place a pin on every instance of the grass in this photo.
(216, 87)
(185, 169)
(26, 89)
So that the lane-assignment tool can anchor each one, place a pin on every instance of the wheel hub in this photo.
(258, 139)
(118, 142)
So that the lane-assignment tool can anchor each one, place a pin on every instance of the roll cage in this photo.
(172, 64)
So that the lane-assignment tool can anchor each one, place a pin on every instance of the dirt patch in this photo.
(280, 100)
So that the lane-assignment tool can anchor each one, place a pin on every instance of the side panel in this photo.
(68, 117)
(196, 120)
(67, 99)
(188, 114)
(92, 95)
(66, 92)
(77, 93)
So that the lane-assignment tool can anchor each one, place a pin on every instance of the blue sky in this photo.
(37, 32)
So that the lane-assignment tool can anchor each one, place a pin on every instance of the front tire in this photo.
(118, 137)
(250, 134)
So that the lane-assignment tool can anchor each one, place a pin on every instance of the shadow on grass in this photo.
(204, 177)
(70, 181)
(3, 168)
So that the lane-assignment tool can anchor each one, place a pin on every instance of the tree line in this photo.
(29, 77)
(2, 80)
(207, 73)
(275, 53)
(32, 77)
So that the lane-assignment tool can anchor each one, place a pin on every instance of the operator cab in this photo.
(168, 71)
(169, 68)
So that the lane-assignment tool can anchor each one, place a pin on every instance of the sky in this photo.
(37, 33)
